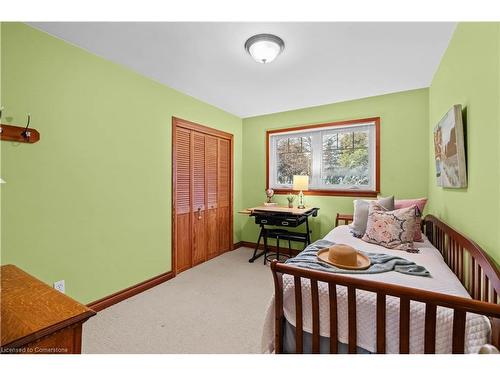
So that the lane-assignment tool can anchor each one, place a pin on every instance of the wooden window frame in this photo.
(332, 192)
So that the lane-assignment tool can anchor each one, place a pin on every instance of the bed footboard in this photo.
(461, 306)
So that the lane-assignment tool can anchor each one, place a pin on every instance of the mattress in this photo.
(442, 280)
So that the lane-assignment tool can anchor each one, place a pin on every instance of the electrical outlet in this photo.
(59, 285)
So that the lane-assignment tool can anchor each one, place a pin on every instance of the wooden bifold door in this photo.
(202, 214)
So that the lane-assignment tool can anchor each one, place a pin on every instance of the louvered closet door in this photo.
(198, 198)
(211, 186)
(202, 193)
(224, 195)
(183, 199)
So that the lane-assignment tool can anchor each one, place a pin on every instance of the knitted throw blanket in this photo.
(379, 262)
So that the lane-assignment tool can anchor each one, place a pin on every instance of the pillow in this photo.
(391, 229)
(420, 203)
(360, 217)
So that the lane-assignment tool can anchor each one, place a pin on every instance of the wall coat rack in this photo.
(23, 134)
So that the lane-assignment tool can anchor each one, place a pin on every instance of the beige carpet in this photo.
(216, 307)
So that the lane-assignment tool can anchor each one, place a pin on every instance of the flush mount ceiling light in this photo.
(264, 48)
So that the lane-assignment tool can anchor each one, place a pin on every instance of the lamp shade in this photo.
(300, 183)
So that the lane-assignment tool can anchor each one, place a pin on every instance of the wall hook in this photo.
(23, 134)
(26, 133)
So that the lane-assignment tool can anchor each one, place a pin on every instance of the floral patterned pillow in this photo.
(391, 229)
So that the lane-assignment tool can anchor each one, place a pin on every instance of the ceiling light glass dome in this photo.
(264, 48)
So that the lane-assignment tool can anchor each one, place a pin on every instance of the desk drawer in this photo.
(279, 221)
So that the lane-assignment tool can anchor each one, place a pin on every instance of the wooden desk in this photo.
(282, 217)
(36, 318)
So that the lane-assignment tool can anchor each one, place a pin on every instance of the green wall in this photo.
(403, 142)
(469, 74)
(90, 203)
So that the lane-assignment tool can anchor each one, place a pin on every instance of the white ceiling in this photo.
(322, 62)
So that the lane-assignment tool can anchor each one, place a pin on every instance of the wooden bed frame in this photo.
(474, 268)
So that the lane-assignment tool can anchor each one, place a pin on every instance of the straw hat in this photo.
(344, 256)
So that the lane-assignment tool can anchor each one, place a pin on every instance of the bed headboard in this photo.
(344, 218)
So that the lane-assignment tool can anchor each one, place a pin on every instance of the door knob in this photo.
(199, 213)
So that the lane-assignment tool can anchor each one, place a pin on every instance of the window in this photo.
(339, 158)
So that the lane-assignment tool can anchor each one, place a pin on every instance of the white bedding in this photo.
(442, 280)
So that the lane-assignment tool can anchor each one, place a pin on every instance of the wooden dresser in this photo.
(36, 318)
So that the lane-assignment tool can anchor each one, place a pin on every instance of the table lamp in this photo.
(301, 183)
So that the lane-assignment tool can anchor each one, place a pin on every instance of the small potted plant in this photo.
(290, 200)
